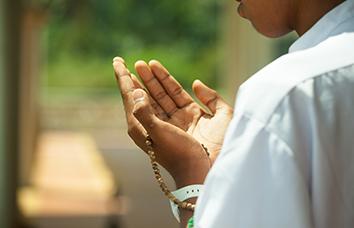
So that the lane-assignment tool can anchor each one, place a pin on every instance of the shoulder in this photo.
(261, 95)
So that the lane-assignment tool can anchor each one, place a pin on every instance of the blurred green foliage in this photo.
(83, 36)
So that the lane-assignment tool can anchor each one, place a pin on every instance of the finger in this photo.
(155, 88)
(210, 98)
(143, 111)
(167, 138)
(125, 83)
(170, 84)
(126, 87)
(119, 59)
(158, 111)
(154, 127)
(136, 82)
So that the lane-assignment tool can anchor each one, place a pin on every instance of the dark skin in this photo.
(178, 136)
(175, 122)
(276, 18)
(184, 120)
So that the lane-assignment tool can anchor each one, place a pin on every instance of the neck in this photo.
(311, 12)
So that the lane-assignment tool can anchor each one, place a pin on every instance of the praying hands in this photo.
(173, 119)
(176, 124)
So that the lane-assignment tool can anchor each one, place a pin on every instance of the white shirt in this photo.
(288, 154)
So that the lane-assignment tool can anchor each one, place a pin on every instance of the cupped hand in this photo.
(175, 121)
(174, 105)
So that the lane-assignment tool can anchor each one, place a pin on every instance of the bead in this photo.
(170, 195)
(162, 185)
(153, 163)
(165, 189)
(156, 171)
(206, 150)
(160, 180)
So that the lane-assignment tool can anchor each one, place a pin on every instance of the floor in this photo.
(88, 173)
(94, 179)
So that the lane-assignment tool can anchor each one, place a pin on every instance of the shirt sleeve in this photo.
(255, 182)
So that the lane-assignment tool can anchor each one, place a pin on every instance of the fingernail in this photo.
(138, 95)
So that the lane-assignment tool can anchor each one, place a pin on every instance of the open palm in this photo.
(174, 105)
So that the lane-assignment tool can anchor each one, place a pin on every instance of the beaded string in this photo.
(161, 182)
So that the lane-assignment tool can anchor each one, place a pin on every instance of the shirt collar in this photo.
(324, 27)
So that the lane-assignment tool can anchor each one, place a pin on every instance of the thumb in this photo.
(138, 95)
(143, 111)
(209, 97)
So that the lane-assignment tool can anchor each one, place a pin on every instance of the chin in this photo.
(272, 31)
(274, 35)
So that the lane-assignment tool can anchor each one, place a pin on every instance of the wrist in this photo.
(193, 173)
(187, 195)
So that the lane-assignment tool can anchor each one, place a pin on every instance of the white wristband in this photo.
(185, 193)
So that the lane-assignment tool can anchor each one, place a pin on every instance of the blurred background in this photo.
(65, 157)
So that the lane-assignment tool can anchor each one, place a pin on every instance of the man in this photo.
(287, 156)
